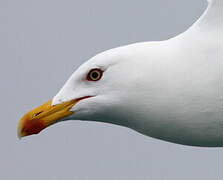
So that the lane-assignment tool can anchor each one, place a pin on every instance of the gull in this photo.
(170, 90)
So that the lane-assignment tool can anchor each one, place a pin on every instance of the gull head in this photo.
(106, 88)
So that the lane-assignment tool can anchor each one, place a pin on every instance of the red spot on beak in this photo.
(33, 127)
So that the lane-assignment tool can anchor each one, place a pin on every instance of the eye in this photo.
(94, 75)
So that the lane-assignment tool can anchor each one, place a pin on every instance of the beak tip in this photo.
(19, 134)
(43, 116)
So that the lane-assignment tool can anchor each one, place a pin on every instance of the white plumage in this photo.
(171, 90)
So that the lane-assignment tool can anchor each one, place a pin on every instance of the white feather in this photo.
(171, 90)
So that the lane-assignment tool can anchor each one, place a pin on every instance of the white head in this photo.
(99, 83)
(102, 89)
(118, 83)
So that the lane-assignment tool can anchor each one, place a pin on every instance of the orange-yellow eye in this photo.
(94, 75)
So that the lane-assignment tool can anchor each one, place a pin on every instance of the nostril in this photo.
(36, 114)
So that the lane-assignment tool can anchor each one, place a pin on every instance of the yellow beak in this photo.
(43, 116)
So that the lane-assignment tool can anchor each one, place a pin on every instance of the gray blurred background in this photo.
(41, 43)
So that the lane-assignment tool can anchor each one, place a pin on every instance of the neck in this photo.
(213, 17)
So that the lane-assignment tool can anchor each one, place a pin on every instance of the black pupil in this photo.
(94, 75)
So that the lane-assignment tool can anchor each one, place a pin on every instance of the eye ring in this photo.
(95, 75)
